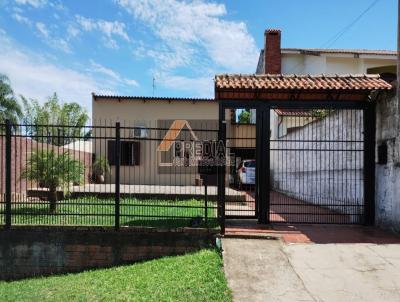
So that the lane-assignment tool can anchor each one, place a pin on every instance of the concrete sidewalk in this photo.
(270, 270)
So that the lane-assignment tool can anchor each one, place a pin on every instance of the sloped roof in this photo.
(343, 51)
(281, 82)
(293, 112)
(97, 97)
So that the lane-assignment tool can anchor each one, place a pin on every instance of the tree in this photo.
(244, 116)
(55, 122)
(52, 170)
(9, 106)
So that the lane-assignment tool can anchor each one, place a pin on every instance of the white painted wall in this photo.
(332, 64)
(388, 175)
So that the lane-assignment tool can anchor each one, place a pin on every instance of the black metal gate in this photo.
(314, 162)
(316, 166)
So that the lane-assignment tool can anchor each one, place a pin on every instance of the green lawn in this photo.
(91, 211)
(192, 277)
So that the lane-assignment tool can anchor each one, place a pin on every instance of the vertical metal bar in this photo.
(369, 164)
(266, 159)
(205, 204)
(221, 168)
(8, 174)
(263, 162)
(258, 184)
(117, 172)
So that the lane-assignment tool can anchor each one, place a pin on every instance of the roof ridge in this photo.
(344, 50)
(151, 97)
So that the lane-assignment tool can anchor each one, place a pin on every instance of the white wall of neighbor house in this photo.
(331, 178)
(294, 63)
(388, 174)
(387, 183)
(146, 113)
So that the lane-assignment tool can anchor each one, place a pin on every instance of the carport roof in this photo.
(279, 82)
(279, 87)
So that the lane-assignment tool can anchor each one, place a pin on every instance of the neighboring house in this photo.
(146, 112)
(315, 61)
(80, 145)
(284, 121)
(143, 160)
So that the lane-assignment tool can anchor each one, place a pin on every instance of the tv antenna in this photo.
(154, 84)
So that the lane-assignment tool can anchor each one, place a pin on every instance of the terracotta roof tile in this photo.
(300, 82)
(294, 112)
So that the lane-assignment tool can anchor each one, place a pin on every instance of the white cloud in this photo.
(41, 27)
(52, 41)
(21, 19)
(110, 43)
(197, 26)
(194, 36)
(110, 29)
(114, 76)
(198, 86)
(34, 3)
(72, 31)
(56, 4)
(34, 77)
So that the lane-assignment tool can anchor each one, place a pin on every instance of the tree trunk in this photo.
(53, 199)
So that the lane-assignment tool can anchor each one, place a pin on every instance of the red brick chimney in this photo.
(272, 51)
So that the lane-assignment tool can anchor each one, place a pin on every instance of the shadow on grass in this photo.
(119, 263)
(34, 215)
(170, 223)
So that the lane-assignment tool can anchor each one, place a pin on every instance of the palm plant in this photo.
(9, 106)
(52, 171)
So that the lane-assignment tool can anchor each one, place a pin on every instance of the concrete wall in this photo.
(21, 149)
(27, 252)
(241, 135)
(134, 113)
(323, 177)
(332, 63)
(388, 175)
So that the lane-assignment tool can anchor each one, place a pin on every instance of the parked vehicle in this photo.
(246, 173)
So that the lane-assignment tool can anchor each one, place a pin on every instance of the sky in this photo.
(168, 47)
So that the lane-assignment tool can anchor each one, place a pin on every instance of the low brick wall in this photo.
(27, 252)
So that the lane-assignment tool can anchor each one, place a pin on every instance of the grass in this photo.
(91, 211)
(192, 277)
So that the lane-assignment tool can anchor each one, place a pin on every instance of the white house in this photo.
(315, 61)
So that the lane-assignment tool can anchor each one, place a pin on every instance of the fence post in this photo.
(221, 171)
(8, 174)
(117, 172)
(206, 202)
(369, 123)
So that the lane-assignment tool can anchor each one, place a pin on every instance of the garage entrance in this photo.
(314, 139)
(316, 165)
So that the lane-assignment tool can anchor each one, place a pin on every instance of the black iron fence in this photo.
(159, 174)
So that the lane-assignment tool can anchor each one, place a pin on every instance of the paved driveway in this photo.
(272, 270)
